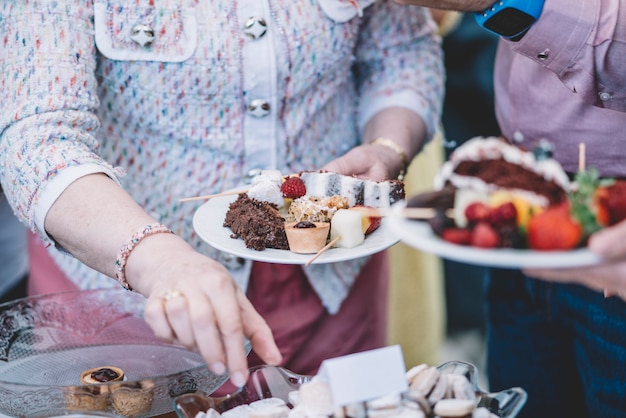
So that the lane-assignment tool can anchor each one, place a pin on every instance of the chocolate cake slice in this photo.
(257, 223)
(491, 164)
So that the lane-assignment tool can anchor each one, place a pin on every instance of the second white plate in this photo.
(208, 224)
(419, 235)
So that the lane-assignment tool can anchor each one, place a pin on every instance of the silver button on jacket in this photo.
(142, 34)
(259, 108)
(255, 27)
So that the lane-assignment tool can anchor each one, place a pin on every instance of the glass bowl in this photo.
(276, 382)
(47, 341)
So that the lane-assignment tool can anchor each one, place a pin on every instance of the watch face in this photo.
(509, 22)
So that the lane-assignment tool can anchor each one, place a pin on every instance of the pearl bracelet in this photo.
(129, 246)
(386, 142)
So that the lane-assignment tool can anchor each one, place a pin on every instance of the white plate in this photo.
(419, 235)
(208, 223)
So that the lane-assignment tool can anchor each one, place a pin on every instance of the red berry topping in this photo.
(505, 214)
(459, 236)
(293, 188)
(484, 236)
(477, 212)
(554, 229)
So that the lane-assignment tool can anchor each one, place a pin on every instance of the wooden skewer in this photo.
(322, 250)
(211, 196)
(228, 193)
(581, 157)
(408, 213)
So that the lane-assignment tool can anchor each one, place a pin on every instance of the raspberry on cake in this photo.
(293, 188)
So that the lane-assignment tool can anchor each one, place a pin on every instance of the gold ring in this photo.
(171, 294)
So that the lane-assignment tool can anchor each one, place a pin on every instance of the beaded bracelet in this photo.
(386, 142)
(126, 249)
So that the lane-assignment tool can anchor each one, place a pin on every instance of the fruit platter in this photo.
(495, 204)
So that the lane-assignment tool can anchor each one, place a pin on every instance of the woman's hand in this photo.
(378, 161)
(367, 161)
(610, 276)
(191, 298)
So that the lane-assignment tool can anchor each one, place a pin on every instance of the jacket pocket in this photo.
(149, 31)
(343, 10)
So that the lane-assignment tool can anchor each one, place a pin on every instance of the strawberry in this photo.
(611, 203)
(504, 214)
(484, 236)
(477, 212)
(554, 229)
(459, 236)
(293, 188)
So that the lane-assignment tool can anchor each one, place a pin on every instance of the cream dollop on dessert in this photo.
(266, 188)
(307, 237)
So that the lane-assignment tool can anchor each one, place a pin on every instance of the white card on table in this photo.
(367, 375)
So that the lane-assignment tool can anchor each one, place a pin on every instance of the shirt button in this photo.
(259, 108)
(255, 27)
(518, 136)
(142, 34)
(605, 97)
(543, 55)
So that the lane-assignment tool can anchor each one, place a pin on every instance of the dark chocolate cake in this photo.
(506, 175)
(257, 223)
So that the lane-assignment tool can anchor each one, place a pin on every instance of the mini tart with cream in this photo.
(104, 374)
(306, 237)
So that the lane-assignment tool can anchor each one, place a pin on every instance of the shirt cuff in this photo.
(56, 186)
(408, 99)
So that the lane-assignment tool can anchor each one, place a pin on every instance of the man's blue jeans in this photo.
(564, 344)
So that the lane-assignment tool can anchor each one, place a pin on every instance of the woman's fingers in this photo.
(196, 302)
(609, 277)
(258, 332)
(361, 162)
(610, 242)
(207, 335)
(176, 307)
(225, 305)
(157, 319)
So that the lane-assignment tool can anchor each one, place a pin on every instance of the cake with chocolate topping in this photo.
(258, 223)
(489, 164)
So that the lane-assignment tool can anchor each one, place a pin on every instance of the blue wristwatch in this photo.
(510, 18)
